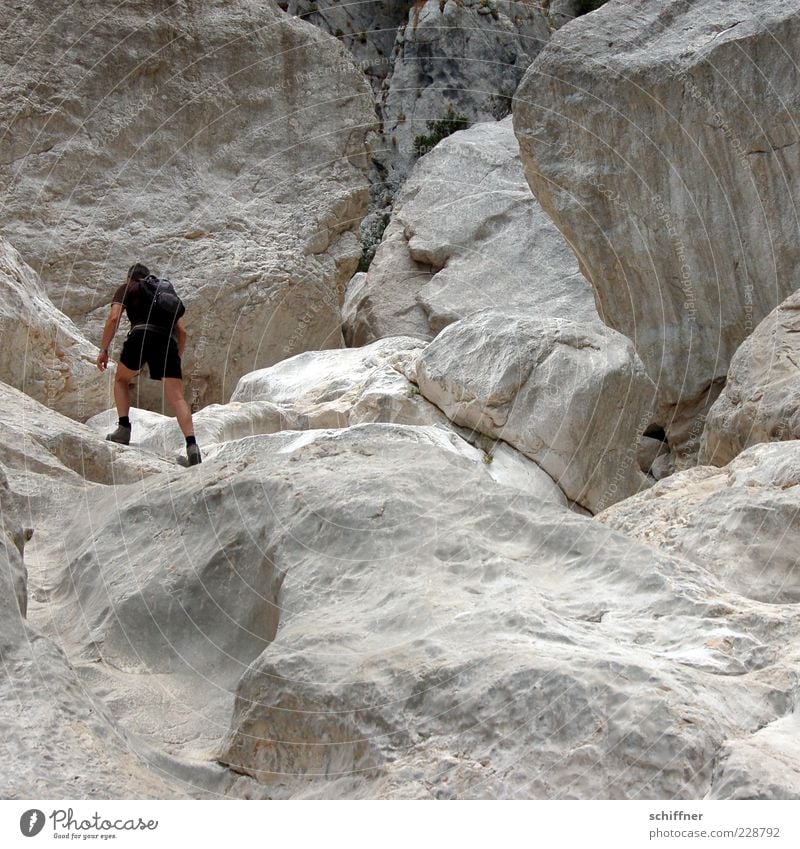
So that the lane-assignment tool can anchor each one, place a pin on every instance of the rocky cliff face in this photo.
(384, 580)
(661, 139)
(430, 60)
(223, 145)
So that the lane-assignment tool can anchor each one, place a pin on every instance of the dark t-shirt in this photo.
(136, 307)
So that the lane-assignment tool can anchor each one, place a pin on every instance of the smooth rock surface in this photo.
(660, 137)
(577, 669)
(226, 146)
(39, 447)
(59, 740)
(742, 523)
(466, 234)
(573, 397)
(333, 389)
(760, 400)
(43, 353)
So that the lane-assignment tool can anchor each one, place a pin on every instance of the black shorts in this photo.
(158, 350)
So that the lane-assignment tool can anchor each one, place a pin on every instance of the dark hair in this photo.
(138, 272)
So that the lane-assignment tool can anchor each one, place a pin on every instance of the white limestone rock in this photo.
(59, 740)
(760, 400)
(573, 397)
(39, 447)
(480, 642)
(546, 657)
(660, 137)
(224, 145)
(466, 234)
(455, 58)
(316, 389)
(337, 388)
(333, 389)
(43, 353)
(742, 522)
(763, 765)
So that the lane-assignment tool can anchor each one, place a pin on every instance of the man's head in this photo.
(138, 272)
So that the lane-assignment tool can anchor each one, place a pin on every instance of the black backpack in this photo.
(165, 306)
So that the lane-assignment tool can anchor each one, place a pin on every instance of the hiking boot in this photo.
(193, 455)
(121, 435)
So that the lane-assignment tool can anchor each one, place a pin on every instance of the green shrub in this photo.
(438, 130)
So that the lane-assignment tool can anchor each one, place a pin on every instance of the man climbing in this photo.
(153, 341)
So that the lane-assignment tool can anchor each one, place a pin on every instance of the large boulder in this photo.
(225, 145)
(573, 397)
(466, 234)
(60, 741)
(742, 522)
(760, 400)
(440, 637)
(660, 137)
(334, 389)
(43, 353)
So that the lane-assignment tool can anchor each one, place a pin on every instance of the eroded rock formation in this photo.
(575, 398)
(43, 353)
(223, 145)
(466, 234)
(760, 400)
(660, 136)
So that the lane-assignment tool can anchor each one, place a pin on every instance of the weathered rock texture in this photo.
(574, 398)
(761, 398)
(466, 234)
(660, 136)
(335, 389)
(223, 145)
(742, 523)
(367, 29)
(42, 352)
(463, 58)
(59, 740)
(545, 655)
(763, 765)
(580, 668)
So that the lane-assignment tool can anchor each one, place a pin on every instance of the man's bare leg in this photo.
(122, 398)
(122, 389)
(173, 389)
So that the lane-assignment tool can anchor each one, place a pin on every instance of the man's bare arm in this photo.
(179, 326)
(112, 323)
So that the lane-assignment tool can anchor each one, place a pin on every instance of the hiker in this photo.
(155, 338)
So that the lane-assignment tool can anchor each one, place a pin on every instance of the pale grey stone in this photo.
(573, 397)
(43, 353)
(466, 234)
(761, 398)
(660, 138)
(226, 146)
(742, 522)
